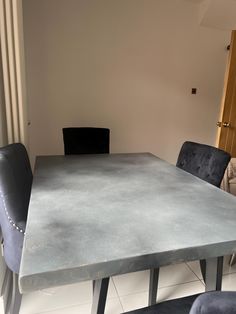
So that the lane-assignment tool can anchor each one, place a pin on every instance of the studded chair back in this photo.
(86, 140)
(209, 164)
(15, 188)
(204, 161)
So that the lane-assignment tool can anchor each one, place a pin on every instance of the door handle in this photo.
(226, 124)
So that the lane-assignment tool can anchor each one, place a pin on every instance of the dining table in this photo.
(95, 216)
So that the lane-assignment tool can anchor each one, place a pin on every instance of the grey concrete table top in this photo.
(94, 216)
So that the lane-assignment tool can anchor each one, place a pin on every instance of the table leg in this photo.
(153, 285)
(93, 285)
(100, 288)
(214, 269)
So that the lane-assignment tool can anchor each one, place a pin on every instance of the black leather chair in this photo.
(15, 188)
(209, 164)
(206, 303)
(86, 140)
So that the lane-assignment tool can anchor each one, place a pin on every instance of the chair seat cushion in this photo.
(176, 306)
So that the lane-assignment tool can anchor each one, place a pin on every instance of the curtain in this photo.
(13, 109)
(3, 127)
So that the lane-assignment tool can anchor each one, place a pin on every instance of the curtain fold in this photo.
(13, 71)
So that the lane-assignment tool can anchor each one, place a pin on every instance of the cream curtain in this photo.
(13, 98)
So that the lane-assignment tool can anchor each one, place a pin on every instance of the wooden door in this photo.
(227, 125)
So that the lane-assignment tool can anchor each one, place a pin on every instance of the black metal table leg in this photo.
(214, 269)
(100, 288)
(153, 285)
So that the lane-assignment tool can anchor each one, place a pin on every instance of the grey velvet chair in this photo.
(209, 164)
(86, 140)
(219, 302)
(205, 162)
(15, 189)
(207, 303)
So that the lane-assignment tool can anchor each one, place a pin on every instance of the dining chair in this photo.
(86, 140)
(209, 164)
(203, 161)
(217, 302)
(15, 188)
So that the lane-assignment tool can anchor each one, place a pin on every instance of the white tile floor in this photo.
(126, 292)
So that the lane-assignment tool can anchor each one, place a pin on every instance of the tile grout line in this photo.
(201, 279)
(64, 308)
(117, 294)
(164, 287)
(194, 273)
(182, 283)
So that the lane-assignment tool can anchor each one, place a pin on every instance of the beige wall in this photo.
(124, 64)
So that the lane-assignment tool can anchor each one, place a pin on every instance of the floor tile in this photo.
(175, 274)
(179, 291)
(139, 281)
(227, 269)
(229, 282)
(1, 306)
(195, 266)
(113, 306)
(60, 297)
(134, 301)
(132, 282)
(139, 300)
(80, 309)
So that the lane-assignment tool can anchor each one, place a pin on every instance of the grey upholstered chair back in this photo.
(204, 161)
(15, 188)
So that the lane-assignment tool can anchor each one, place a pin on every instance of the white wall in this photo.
(124, 64)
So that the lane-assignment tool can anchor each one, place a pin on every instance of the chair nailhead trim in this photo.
(9, 218)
